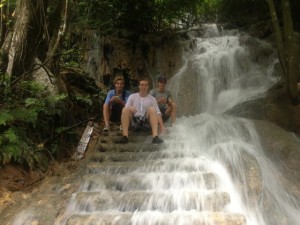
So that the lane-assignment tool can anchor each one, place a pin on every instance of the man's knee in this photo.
(151, 110)
(125, 111)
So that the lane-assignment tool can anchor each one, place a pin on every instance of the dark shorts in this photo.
(140, 123)
(163, 112)
(116, 111)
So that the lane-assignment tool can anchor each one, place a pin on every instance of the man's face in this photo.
(144, 86)
(161, 86)
(119, 85)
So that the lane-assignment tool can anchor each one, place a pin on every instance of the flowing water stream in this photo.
(211, 169)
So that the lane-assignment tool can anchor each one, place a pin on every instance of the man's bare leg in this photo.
(173, 112)
(125, 120)
(152, 115)
(106, 114)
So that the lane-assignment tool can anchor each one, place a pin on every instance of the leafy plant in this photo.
(27, 118)
(112, 16)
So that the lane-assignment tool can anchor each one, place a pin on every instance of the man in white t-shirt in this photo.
(142, 107)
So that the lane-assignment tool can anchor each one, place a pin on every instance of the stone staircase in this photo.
(142, 183)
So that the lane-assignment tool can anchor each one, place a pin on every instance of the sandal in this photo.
(105, 130)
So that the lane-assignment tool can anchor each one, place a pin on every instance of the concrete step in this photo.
(158, 218)
(149, 181)
(163, 201)
(163, 166)
(135, 137)
(129, 147)
(116, 156)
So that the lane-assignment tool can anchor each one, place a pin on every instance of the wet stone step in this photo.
(143, 138)
(124, 156)
(164, 165)
(136, 156)
(149, 181)
(158, 218)
(130, 147)
(164, 201)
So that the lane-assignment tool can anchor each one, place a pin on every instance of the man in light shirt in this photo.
(142, 108)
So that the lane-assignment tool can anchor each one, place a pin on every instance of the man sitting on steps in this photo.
(114, 103)
(164, 99)
(142, 107)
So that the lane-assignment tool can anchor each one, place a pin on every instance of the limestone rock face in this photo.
(144, 56)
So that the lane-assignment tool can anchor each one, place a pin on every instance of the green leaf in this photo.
(30, 101)
(60, 129)
(26, 114)
(5, 117)
(84, 99)
(56, 98)
(11, 135)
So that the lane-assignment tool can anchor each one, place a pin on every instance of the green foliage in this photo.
(154, 16)
(5, 117)
(243, 11)
(84, 99)
(27, 118)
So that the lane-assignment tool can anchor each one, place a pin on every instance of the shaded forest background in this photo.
(46, 94)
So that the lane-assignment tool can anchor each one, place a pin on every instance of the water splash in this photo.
(232, 148)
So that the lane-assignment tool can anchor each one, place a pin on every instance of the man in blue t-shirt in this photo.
(114, 103)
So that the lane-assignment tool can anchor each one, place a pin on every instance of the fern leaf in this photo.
(30, 101)
(5, 117)
(11, 135)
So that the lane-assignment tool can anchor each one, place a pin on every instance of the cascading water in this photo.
(220, 73)
(211, 170)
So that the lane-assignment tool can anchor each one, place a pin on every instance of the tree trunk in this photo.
(27, 34)
(288, 49)
(291, 53)
(58, 32)
(278, 36)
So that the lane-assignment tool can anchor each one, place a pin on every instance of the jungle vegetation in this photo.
(43, 38)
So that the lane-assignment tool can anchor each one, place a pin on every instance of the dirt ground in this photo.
(13, 179)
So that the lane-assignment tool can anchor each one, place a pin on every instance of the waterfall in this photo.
(221, 73)
(217, 75)
(212, 168)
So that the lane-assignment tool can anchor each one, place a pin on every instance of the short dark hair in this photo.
(162, 79)
(144, 79)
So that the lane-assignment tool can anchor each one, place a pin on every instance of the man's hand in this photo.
(117, 100)
(132, 110)
(161, 100)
